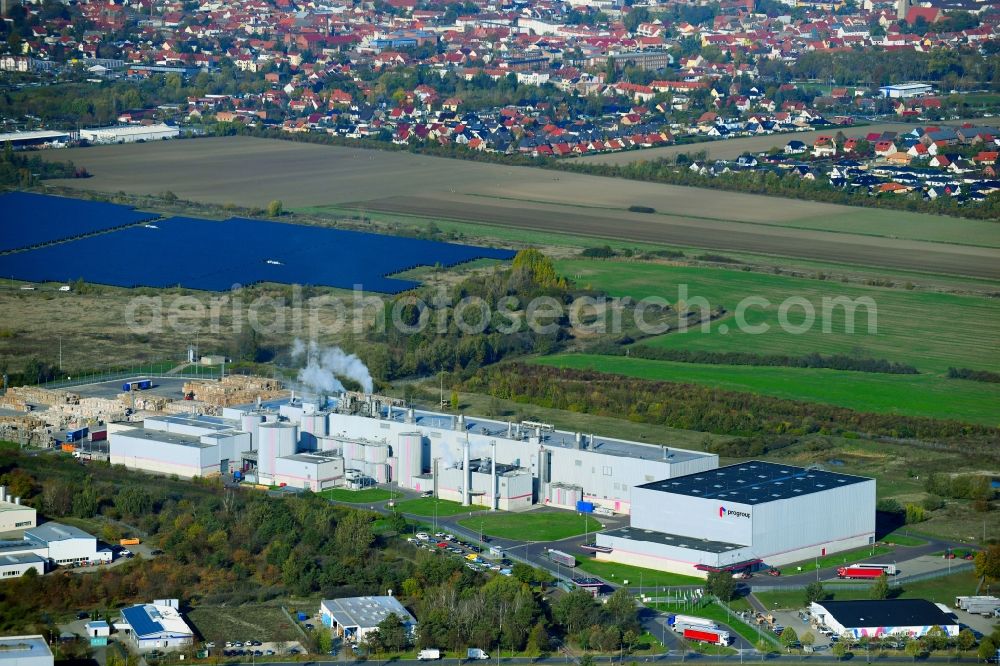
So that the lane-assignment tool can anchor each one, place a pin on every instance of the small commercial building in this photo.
(904, 90)
(12, 566)
(156, 626)
(13, 514)
(187, 446)
(513, 485)
(353, 618)
(98, 632)
(25, 651)
(889, 617)
(309, 471)
(129, 133)
(743, 516)
(67, 545)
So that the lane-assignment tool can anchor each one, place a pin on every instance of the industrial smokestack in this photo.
(579, 440)
(493, 477)
(466, 473)
(510, 429)
(411, 415)
(460, 422)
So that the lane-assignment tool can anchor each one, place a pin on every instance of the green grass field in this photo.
(533, 525)
(939, 590)
(835, 560)
(913, 395)
(616, 573)
(931, 331)
(357, 496)
(431, 506)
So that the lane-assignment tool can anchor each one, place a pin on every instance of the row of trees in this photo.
(692, 407)
(812, 360)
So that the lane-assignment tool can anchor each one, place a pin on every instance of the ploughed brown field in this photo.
(251, 172)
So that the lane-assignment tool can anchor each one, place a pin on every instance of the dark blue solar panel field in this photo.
(28, 219)
(210, 255)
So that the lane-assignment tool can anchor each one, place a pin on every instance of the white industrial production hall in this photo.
(357, 439)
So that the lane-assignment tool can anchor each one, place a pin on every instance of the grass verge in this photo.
(533, 525)
(431, 506)
(614, 572)
(357, 496)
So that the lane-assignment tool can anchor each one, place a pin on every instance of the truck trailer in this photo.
(979, 605)
(713, 636)
(859, 572)
(692, 621)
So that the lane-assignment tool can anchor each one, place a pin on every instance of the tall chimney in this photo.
(493, 478)
(466, 473)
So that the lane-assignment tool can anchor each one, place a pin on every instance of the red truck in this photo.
(714, 636)
(859, 572)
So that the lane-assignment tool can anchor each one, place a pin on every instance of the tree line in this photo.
(811, 360)
(694, 407)
(974, 375)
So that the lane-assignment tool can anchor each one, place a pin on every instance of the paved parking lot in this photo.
(168, 387)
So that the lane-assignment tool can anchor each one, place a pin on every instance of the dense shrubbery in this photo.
(812, 360)
(974, 375)
(692, 407)
(24, 169)
(403, 350)
(960, 486)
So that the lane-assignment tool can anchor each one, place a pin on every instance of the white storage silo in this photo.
(277, 439)
(311, 427)
(376, 453)
(411, 457)
(250, 422)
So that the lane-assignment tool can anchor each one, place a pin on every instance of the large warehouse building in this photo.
(741, 517)
(129, 133)
(358, 439)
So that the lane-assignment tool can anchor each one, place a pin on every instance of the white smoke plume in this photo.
(325, 364)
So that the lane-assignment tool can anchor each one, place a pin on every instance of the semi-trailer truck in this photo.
(138, 385)
(76, 435)
(692, 621)
(980, 605)
(714, 636)
(859, 572)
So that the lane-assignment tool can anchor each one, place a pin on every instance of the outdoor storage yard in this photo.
(301, 175)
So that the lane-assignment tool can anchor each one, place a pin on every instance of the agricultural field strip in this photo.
(224, 170)
(990, 236)
(929, 330)
(936, 258)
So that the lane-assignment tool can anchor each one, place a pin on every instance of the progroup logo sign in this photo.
(725, 513)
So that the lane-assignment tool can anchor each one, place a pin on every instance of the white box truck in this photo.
(429, 654)
(476, 653)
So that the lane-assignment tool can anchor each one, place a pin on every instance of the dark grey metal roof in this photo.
(754, 482)
(887, 613)
(676, 540)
